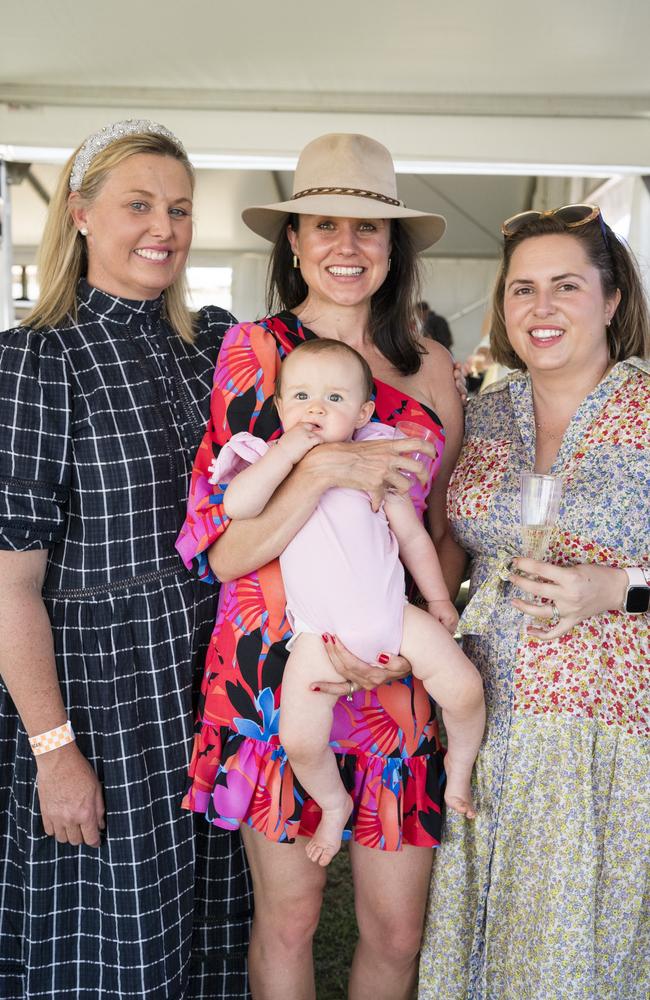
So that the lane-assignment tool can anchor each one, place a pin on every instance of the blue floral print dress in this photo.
(546, 895)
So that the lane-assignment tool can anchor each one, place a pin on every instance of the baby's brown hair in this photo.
(320, 345)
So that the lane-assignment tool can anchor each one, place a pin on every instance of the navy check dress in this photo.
(99, 422)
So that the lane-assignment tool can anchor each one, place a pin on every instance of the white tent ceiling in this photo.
(204, 53)
(511, 89)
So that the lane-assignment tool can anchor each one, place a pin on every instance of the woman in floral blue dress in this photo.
(546, 895)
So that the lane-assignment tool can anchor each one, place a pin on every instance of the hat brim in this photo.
(268, 221)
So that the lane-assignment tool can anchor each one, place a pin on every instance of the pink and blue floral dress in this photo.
(386, 740)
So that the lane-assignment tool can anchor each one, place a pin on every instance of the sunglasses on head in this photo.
(571, 215)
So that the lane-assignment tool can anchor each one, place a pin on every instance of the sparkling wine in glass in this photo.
(540, 505)
(535, 540)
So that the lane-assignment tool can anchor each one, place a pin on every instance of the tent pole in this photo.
(7, 316)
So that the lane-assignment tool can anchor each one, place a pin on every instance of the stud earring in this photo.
(296, 262)
(389, 263)
(84, 231)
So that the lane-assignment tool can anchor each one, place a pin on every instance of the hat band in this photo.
(357, 192)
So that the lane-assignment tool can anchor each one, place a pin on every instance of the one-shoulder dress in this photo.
(386, 740)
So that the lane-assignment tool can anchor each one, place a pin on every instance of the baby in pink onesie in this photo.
(343, 577)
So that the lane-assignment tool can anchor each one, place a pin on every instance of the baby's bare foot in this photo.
(458, 793)
(461, 804)
(326, 841)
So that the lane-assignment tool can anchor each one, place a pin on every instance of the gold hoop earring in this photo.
(296, 262)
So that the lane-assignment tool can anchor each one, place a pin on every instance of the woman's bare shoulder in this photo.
(437, 371)
(436, 358)
(437, 381)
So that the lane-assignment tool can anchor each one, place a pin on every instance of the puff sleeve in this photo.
(35, 425)
(242, 400)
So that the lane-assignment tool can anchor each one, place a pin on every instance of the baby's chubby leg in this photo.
(305, 725)
(455, 683)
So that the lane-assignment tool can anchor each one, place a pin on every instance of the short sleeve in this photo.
(236, 455)
(374, 431)
(35, 418)
(241, 401)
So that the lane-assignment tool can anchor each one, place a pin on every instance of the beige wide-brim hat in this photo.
(346, 176)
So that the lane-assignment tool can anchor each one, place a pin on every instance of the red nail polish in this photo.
(333, 640)
(324, 637)
(383, 658)
(315, 689)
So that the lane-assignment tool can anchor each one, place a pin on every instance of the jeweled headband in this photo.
(109, 134)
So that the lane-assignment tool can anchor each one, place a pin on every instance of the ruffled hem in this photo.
(396, 799)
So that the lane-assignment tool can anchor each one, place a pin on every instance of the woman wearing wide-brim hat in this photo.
(344, 266)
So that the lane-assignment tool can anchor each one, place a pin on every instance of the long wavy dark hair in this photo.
(393, 326)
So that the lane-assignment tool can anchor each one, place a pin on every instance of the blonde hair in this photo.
(62, 256)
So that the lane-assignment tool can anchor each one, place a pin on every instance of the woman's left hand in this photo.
(574, 592)
(460, 382)
(357, 673)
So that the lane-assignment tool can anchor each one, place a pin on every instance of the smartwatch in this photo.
(637, 598)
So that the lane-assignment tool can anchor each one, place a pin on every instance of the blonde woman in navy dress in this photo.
(103, 397)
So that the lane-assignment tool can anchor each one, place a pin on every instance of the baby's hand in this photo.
(444, 612)
(295, 443)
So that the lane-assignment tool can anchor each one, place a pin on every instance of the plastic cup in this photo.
(408, 428)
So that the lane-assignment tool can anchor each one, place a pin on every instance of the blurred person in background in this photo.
(436, 327)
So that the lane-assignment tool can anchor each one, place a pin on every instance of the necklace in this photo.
(547, 428)
(554, 425)
(551, 435)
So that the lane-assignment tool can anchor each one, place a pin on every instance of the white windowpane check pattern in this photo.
(99, 423)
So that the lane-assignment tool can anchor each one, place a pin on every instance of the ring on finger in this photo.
(348, 696)
(555, 617)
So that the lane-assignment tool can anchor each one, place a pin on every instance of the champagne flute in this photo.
(540, 505)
